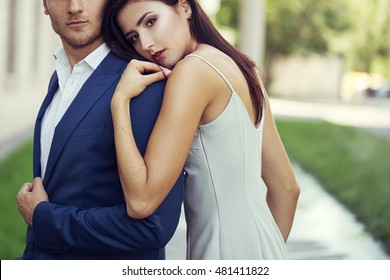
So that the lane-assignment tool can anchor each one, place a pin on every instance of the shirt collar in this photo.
(97, 56)
(93, 59)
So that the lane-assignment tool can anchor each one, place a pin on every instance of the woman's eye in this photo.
(150, 22)
(133, 38)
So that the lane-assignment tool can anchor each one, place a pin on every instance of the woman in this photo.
(240, 193)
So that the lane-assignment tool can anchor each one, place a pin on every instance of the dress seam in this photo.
(215, 195)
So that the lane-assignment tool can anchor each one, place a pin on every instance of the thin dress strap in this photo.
(215, 68)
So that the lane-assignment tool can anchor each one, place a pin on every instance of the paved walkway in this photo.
(372, 114)
(315, 235)
(324, 229)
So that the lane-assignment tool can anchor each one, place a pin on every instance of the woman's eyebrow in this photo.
(139, 22)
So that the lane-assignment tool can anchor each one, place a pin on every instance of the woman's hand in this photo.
(136, 77)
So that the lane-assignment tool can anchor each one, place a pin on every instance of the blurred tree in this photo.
(383, 35)
(355, 29)
(227, 20)
(370, 48)
(228, 14)
(304, 26)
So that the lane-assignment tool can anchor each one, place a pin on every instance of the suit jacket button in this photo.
(31, 246)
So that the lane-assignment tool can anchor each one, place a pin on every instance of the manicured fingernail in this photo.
(167, 73)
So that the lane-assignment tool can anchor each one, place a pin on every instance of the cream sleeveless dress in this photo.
(225, 197)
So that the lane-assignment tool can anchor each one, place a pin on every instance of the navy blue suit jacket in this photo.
(86, 217)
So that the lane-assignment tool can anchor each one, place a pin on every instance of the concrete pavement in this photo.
(372, 114)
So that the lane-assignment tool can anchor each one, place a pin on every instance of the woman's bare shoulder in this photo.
(192, 69)
(196, 78)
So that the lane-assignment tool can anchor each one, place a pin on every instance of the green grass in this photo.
(351, 164)
(14, 171)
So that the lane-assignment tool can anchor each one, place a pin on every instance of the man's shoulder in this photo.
(113, 63)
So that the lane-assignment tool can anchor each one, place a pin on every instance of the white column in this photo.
(4, 22)
(48, 43)
(252, 29)
(25, 25)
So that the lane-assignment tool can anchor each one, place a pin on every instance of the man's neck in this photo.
(75, 55)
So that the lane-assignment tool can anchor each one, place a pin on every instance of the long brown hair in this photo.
(202, 29)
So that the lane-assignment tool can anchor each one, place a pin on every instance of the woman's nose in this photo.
(147, 44)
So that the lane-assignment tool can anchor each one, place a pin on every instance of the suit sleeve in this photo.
(105, 231)
(109, 230)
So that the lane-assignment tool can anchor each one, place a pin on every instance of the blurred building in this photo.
(312, 77)
(26, 43)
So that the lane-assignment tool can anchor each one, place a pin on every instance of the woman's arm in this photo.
(278, 175)
(146, 181)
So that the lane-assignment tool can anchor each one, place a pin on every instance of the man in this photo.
(78, 210)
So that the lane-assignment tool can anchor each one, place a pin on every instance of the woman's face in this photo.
(158, 32)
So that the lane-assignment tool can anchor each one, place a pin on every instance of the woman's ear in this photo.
(187, 8)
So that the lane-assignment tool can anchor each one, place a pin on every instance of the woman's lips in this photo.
(158, 55)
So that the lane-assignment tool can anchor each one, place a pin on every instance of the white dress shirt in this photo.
(70, 82)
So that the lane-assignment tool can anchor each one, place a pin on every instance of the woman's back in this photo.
(226, 210)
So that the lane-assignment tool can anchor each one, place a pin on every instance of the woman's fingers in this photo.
(144, 73)
(144, 66)
(137, 76)
(148, 67)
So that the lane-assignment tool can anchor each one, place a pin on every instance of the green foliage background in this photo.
(357, 30)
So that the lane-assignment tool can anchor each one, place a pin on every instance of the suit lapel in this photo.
(53, 86)
(94, 88)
